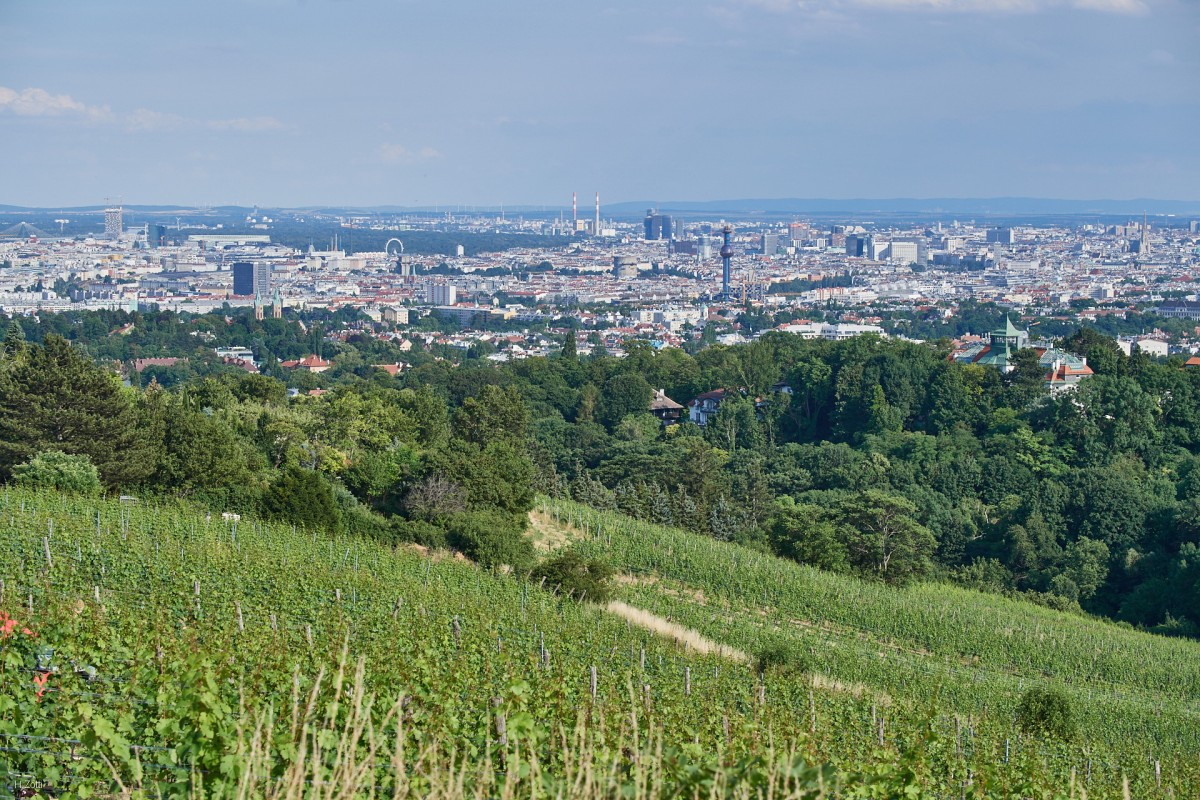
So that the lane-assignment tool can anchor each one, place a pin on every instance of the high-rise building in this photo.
(658, 226)
(251, 278)
(770, 244)
(1001, 236)
(155, 235)
(443, 294)
(113, 225)
(856, 246)
(904, 252)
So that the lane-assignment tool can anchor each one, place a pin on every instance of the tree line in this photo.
(880, 458)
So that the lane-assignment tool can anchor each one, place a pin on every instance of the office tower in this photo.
(443, 294)
(856, 246)
(251, 278)
(155, 235)
(657, 226)
(113, 225)
(770, 244)
(1001, 236)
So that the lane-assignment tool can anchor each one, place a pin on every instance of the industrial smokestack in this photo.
(574, 212)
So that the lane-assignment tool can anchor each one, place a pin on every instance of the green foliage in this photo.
(14, 340)
(490, 539)
(55, 399)
(304, 498)
(55, 469)
(1047, 712)
(782, 656)
(573, 575)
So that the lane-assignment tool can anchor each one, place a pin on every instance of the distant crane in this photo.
(61, 224)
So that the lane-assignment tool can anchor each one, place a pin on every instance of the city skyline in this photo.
(414, 104)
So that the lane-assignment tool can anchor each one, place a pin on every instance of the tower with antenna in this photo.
(726, 261)
(574, 213)
(1144, 250)
(596, 227)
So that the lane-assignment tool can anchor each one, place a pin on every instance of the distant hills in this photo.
(915, 205)
(921, 206)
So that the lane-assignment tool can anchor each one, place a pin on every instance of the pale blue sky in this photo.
(294, 102)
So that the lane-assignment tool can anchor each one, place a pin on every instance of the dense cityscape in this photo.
(662, 279)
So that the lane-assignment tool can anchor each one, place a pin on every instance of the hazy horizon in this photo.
(288, 103)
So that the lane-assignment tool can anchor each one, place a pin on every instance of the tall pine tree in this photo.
(55, 399)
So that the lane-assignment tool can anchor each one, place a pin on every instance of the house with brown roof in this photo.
(312, 363)
(666, 409)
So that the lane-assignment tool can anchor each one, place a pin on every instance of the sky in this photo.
(521, 102)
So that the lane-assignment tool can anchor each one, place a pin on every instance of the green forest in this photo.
(871, 457)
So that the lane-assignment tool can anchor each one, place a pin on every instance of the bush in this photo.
(55, 469)
(360, 520)
(490, 539)
(1047, 712)
(419, 532)
(302, 497)
(575, 576)
(782, 657)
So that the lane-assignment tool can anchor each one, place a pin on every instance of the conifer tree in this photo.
(55, 399)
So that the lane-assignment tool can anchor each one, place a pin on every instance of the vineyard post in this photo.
(687, 681)
(1157, 774)
(308, 634)
(642, 659)
(241, 623)
(457, 628)
(593, 671)
(46, 545)
(501, 724)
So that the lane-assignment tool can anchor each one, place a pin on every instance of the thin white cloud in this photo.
(34, 102)
(246, 124)
(40, 103)
(143, 119)
(393, 153)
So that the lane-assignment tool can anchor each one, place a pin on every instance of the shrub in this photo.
(490, 539)
(418, 531)
(575, 576)
(55, 469)
(783, 657)
(1047, 712)
(302, 497)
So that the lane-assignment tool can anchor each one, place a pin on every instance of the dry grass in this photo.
(349, 747)
(548, 535)
(677, 633)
